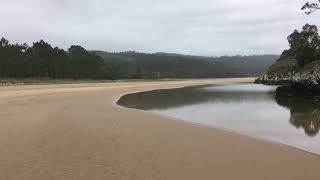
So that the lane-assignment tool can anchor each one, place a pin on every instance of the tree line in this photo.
(304, 45)
(42, 60)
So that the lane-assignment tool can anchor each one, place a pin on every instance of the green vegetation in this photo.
(283, 67)
(44, 62)
(128, 65)
(304, 45)
(303, 54)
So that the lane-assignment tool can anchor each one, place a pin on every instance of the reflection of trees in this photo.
(304, 114)
(172, 98)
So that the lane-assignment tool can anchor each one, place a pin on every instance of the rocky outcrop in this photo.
(303, 83)
(273, 79)
(307, 78)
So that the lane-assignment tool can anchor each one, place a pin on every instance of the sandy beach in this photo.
(77, 132)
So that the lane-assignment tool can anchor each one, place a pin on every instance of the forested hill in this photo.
(164, 65)
(41, 60)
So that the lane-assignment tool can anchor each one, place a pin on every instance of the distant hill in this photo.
(164, 65)
(41, 60)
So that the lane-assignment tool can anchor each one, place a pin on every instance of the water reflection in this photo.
(174, 98)
(246, 108)
(304, 114)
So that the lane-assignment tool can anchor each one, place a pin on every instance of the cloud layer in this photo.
(203, 27)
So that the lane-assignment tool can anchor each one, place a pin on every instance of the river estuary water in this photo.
(245, 108)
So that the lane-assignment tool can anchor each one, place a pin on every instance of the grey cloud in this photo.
(203, 27)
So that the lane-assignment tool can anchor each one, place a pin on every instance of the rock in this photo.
(308, 78)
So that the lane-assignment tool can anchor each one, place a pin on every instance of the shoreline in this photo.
(75, 133)
(235, 132)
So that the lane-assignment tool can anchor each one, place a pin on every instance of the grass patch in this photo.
(283, 66)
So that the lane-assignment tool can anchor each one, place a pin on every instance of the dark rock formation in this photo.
(307, 78)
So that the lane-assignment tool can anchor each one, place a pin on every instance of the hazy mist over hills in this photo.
(181, 66)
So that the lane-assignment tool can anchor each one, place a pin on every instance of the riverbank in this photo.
(285, 72)
(300, 82)
(77, 132)
(46, 81)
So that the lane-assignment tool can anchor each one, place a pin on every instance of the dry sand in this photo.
(76, 132)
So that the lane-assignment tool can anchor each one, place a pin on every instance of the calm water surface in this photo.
(249, 109)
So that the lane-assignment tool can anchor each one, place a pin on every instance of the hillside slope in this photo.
(164, 65)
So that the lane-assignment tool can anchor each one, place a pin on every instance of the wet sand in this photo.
(76, 132)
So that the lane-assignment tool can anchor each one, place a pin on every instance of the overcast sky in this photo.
(201, 27)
